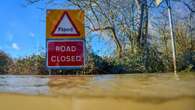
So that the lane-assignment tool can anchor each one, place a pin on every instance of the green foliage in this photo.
(148, 60)
(34, 64)
(132, 63)
(155, 62)
(184, 61)
(5, 60)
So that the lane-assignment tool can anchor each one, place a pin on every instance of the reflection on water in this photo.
(149, 88)
(136, 86)
(129, 85)
(24, 84)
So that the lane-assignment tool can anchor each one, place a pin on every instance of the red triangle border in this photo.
(61, 35)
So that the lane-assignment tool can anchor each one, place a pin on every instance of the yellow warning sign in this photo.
(65, 24)
(158, 2)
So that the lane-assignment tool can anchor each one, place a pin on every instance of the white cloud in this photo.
(15, 46)
(32, 34)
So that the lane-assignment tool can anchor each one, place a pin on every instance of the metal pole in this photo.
(49, 72)
(172, 36)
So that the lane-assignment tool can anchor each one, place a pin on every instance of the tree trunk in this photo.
(143, 27)
(119, 46)
(140, 31)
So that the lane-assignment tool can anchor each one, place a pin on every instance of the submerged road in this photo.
(98, 92)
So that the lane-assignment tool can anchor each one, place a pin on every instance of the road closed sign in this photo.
(65, 24)
(65, 35)
(65, 53)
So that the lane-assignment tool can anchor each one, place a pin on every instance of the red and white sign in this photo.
(65, 53)
(65, 27)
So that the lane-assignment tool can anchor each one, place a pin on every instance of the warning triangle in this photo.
(65, 27)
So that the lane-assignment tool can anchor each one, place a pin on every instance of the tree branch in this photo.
(189, 8)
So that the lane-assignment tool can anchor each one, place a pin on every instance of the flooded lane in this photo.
(105, 92)
(32, 85)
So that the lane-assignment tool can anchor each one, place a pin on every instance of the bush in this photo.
(5, 60)
(34, 64)
(155, 61)
(185, 61)
(131, 63)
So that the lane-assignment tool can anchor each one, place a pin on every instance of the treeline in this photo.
(34, 64)
(129, 63)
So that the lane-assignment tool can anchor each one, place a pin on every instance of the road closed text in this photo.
(59, 59)
(65, 53)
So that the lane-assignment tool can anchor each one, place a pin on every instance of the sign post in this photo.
(65, 39)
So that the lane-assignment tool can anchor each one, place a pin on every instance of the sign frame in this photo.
(65, 67)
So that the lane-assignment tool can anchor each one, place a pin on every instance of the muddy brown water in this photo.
(163, 91)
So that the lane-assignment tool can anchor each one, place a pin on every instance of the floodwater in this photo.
(162, 91)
